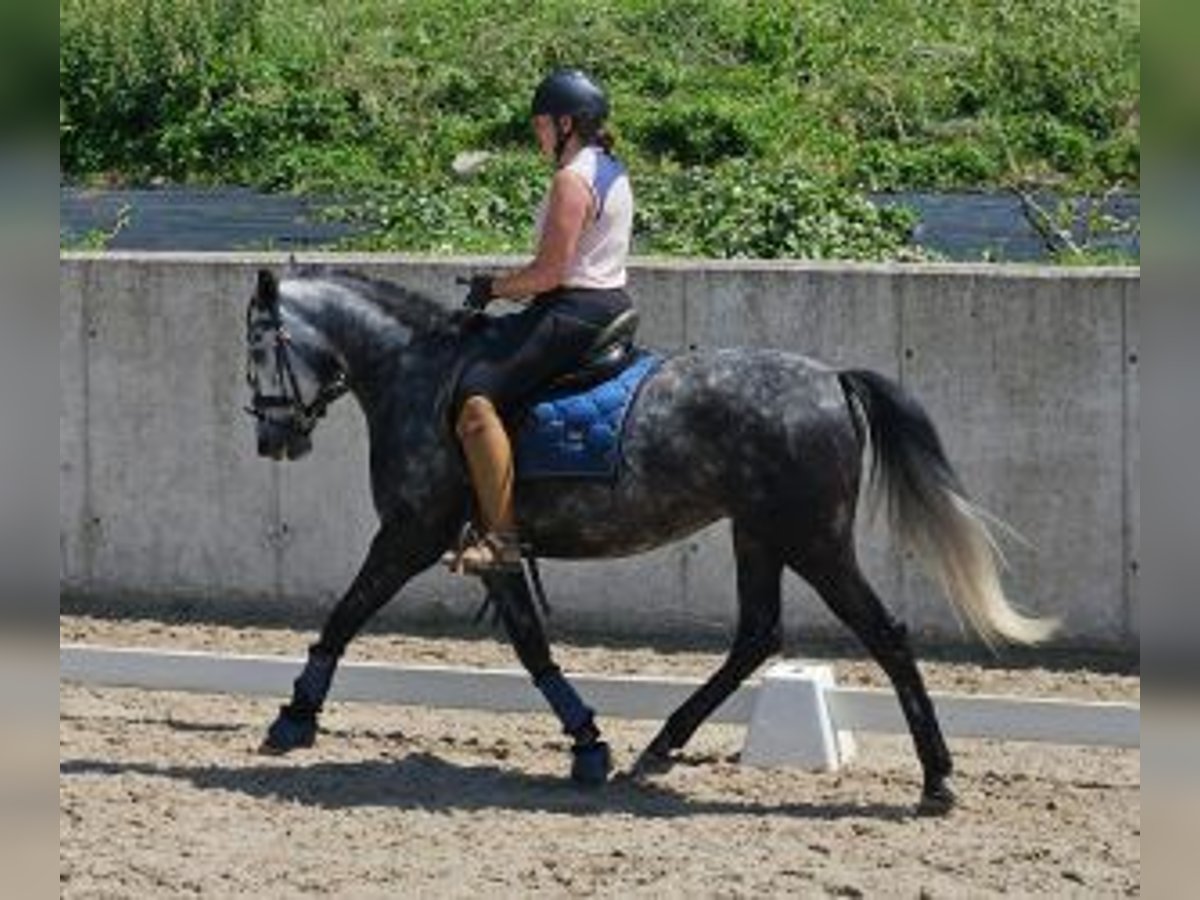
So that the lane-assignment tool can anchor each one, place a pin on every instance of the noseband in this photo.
(304, 416)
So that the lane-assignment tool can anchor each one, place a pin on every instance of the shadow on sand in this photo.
(422, 780)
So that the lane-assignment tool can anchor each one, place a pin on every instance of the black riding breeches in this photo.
(524, 351)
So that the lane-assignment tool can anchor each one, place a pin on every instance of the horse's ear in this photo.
(266, 294)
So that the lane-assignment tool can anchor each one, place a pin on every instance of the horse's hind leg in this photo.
(510, 592)
(759, 570)
(839, 581)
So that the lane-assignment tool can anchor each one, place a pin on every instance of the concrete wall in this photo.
(1030, 374)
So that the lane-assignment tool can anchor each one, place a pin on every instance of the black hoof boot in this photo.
(937, 799)
(289, 732)
(591, 764)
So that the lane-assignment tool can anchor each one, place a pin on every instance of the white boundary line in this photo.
(1054, 721)
(627, 697)
(492, 690)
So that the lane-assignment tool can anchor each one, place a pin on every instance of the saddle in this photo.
(573, 428)
(609, 354)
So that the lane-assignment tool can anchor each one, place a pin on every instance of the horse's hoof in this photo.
(651, 762)
(937, 799)
(592, 763)
(288, 733)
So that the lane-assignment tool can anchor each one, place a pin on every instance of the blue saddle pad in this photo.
(576, 433)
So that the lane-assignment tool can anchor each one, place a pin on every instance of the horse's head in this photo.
(292, 371)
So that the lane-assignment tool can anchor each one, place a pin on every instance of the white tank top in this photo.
(604, 244)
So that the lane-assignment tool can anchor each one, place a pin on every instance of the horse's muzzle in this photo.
(279, 442)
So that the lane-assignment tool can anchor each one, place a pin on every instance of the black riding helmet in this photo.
(568, 92)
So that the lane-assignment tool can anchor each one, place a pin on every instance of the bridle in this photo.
(303, 416)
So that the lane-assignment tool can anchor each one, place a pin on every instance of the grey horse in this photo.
(773, 441)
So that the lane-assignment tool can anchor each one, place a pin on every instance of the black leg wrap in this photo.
(296, 725)
(312, 685)
(578, 719)
(591, 759)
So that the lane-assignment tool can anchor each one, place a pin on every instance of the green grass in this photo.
(765, 108)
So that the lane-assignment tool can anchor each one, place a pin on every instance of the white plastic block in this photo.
(791, 724)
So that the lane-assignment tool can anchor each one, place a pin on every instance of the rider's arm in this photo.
(568, 208)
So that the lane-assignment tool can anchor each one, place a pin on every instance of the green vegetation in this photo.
(751, 126)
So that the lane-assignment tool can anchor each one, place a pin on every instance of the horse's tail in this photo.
(932, 513)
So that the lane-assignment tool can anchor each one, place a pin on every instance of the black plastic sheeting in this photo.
(961, 226)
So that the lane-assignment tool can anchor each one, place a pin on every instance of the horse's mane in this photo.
(412, 308)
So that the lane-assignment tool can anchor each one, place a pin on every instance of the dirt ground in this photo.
(162, 794)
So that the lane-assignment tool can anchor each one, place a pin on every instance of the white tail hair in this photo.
(932, 513)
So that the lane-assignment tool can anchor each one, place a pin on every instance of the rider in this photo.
(574, 287)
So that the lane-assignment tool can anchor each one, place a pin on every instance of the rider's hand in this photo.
(479, 295)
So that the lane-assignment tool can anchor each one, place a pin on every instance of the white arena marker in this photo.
(791, 724)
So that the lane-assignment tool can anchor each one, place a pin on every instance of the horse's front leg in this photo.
(592, 760)
(400, 550)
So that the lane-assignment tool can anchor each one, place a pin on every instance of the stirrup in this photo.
(488, 552)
